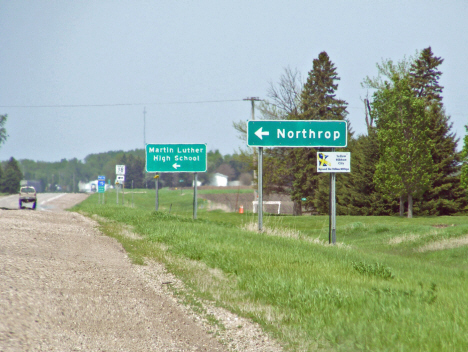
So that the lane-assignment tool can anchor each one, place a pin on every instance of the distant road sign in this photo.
(101, 178)
(176, 157)
(120, 179)
(120, 169)
(297, 133)
(333, 162)
(101, 186)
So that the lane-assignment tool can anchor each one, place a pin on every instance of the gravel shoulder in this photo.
(66, 287)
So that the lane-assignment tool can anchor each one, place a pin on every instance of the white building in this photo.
(219, 180)
(91, 186)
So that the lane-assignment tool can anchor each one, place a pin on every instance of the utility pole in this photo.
(144, 140)
(144, 127)
(253, 100)
(260, 170)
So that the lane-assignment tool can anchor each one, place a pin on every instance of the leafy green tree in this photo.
(318, 102)
(387, 70)
(215, 159)
(405, 165)
(12, 177)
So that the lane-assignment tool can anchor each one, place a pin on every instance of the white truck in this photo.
(27, 194)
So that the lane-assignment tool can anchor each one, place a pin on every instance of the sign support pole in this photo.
(117, 191)
(260, 188)
(330, 209)
(195, 203)
(332, 232)
(156, 186)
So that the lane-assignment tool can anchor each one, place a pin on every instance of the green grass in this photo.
(224, 191)
(375, 291)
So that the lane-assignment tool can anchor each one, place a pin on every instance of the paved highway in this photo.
(44, 201)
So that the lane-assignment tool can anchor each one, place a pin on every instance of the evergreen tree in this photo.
(3, 134)
(361, 195)
(134, 172)
(1, 178)
(424, 76)
(318, 102)
(12, 177)
(445, 196)
(464, 169)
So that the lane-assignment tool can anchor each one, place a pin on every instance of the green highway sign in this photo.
(101, 184)
(297, 133)
(176, 157)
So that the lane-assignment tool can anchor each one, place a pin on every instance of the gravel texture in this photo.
(66, 287)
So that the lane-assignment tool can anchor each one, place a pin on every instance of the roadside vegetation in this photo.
(390, 283)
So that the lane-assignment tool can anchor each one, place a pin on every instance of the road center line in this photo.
(53, 198)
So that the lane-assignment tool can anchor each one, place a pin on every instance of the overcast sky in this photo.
(190, 63)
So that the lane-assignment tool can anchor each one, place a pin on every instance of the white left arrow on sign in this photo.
(260, 133)
(175, 166)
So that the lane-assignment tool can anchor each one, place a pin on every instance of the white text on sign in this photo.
(311, 134)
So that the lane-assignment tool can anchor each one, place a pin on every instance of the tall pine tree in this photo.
(318, 102)
(3, 133)
(445, 196)
(464, 169)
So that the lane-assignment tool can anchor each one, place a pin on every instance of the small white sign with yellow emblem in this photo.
(333, 162)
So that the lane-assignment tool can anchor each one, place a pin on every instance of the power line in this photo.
(118, 104)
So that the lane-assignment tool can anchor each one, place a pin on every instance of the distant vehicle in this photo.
(27, 194)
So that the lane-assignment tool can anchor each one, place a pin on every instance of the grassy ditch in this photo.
(382, 288)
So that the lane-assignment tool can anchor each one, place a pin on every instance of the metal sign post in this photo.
(332, 214)
(195, 204)
(333, 163)
(260, 189)
(333, 209)
(156, 187)
(120, 173)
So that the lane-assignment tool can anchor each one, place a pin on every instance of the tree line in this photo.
(407, 160)
(66, 174)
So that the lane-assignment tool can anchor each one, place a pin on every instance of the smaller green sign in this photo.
(101, 186)
(176, 158)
